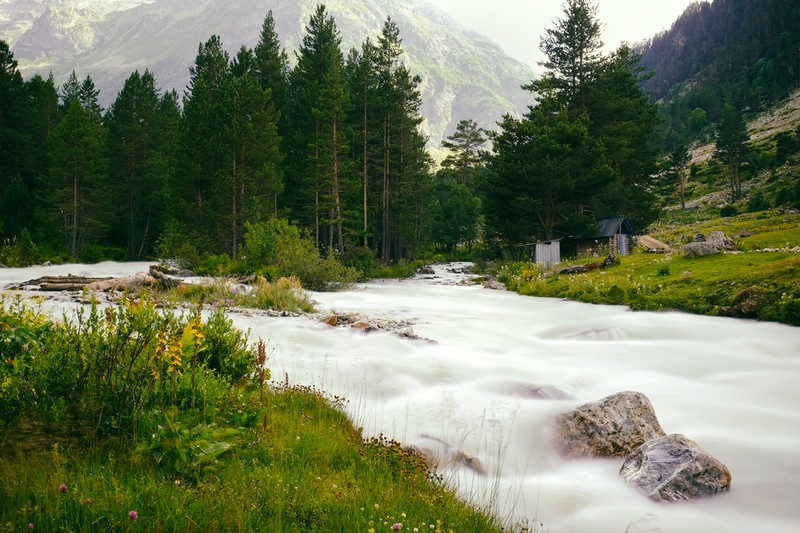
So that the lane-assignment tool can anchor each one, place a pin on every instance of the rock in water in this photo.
(612, 427)
(675, 468)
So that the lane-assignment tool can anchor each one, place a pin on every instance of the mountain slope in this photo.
(464, 74)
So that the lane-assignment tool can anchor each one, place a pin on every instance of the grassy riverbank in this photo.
(137, 419)
(760, 279)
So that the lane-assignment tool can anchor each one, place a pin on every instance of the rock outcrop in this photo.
(675, 468)
(716, 243)
(612, 427)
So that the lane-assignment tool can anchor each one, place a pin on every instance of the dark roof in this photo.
(608, 227)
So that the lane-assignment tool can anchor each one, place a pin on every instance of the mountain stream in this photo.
(478, 389)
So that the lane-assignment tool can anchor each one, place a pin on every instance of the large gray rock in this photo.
(716, 242)
(675, 468)
(612, 427)
(701, 249)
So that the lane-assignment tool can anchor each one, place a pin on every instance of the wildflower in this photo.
(30, 525)
(397, 527)
(132, 515)
(62, 487)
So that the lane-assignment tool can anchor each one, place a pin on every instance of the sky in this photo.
(517, 25)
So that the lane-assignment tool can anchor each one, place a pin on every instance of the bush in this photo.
(277, 249)
(756, 203)
(184, 248)
(19, 251)
(729, 210)
(226, 350)
(107, 370)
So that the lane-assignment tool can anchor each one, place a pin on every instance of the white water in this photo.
(504, 365)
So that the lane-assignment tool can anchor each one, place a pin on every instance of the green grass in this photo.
(711, 285)
(304, 468)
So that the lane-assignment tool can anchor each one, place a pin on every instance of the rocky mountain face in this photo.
(464, 74)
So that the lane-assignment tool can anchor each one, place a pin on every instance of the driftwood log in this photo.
(79, 283)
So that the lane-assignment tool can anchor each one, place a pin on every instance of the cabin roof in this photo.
(608, 227)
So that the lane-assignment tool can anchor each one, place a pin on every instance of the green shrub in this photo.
(19, 251)
(756, 203)
(184, 248)
(226, 350)
(277, 249)
(729, 210)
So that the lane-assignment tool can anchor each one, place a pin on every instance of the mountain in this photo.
(743, 52)
(464, 74)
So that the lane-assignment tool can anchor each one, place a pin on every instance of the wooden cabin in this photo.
(613, 236)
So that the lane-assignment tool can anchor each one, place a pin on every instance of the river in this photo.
(480, 388)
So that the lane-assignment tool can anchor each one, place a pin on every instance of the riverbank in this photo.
(759, 279)
(127, 418)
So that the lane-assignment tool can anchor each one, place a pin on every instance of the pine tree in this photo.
(136, 173)
(76, 167)
(319, 109)
(71, 90)
(253, 177)
(13, 141)
(678, 161)
(573, 50)
(43, 115)
(362, 83)
(406, 185)
(272, 63)
(204, 159)
(624, 121)
(732, 147)
(465, 151)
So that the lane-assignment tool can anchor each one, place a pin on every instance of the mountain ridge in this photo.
(465, 75)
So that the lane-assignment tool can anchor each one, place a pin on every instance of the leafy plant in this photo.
(190, 452)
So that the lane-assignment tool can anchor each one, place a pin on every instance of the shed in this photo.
(613, 236)
(547, 252)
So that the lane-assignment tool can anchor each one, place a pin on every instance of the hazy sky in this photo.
(517, 25)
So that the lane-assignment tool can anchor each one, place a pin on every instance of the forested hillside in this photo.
(742, 52)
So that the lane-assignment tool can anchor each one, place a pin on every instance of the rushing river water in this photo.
(482, 394)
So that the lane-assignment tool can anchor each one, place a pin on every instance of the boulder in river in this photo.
(612, 427)
(675, 468)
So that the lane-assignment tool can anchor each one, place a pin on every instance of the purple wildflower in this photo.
(62, 487)
(30, 525)
(397, 527)
(132, 515)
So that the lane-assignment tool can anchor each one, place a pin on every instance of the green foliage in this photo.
(728, 210)
(102, 371)
(227, 351)
(757, 202)
(278, 249)
(19, 251)
(186, 249)
(190, 452)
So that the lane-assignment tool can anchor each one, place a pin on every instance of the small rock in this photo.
(363, 326)
(675, 468)
(426, 271)
(494, 285)
(330, 320)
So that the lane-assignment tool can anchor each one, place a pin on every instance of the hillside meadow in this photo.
(760, 279)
